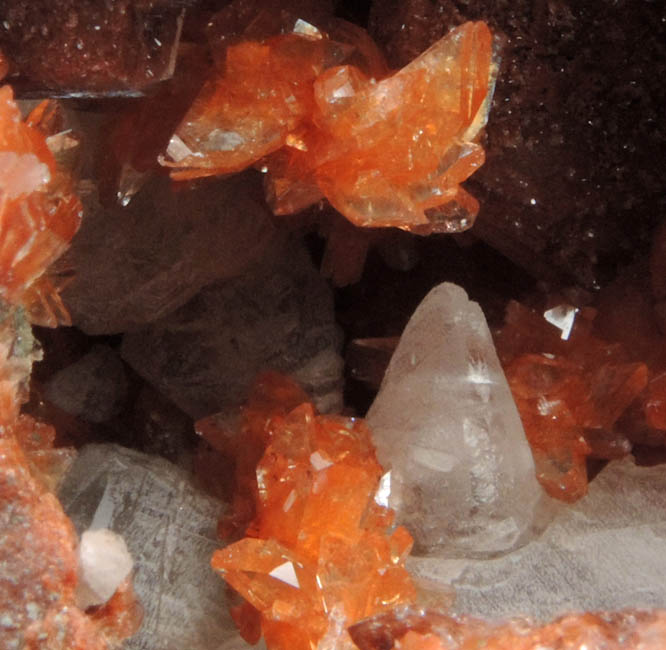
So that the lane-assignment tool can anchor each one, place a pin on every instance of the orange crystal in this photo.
(320, 553)
(570, 389)
(384, 153)
(38, 213)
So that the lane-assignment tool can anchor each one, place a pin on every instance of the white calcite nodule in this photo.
(445, 424)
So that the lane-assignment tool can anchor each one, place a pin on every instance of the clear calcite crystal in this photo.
(445, 424)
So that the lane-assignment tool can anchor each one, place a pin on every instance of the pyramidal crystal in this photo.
(445, 424)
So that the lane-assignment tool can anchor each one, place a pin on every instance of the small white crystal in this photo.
(104, 562)
(286, 573)
(446, 425)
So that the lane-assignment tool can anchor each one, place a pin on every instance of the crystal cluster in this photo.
(320, 552)
(571, 389)
(445, 424)
(38, 212)
(38, 558)
(388, 152)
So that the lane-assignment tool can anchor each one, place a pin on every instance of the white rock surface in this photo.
(444, 421)
(104, 562)
(605, 552)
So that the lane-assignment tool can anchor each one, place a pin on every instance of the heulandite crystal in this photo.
(384, 153)
(319, 554)
(38, 212)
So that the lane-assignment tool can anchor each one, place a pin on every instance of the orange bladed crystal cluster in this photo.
(384, 152)
(321, 552)
(39, 214)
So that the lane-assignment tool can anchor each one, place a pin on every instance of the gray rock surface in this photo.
(169, 527)
(278, 315)
(134, 264)
(92, 388)
(445, 423)
(605, 552)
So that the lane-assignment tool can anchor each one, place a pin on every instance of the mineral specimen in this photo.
(86, 47)
(385, 153)
(570, 388)
(446, 426)
(278, 315)
(38, 213)
(605, 552)
(169, 527)
(413, 629)
(38, 561)
(136, 264)
(559, 137)
(320, 552)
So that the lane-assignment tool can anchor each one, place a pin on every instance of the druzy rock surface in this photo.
(446, 425)
(278, 315)
(83, 47)
(137, 263)
(170, 529)
(570, 186)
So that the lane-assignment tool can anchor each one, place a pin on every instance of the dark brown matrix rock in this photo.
(573, 182)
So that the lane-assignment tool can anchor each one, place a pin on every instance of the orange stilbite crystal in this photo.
(38, 213)
(570, 389)
(384, 153)
(320, 553)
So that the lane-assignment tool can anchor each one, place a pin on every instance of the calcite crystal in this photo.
(320, 552)
(384, 153)
(446, 426)
(38, 561)
(605, 552)
(278, 315)
(169, 527)
(138, 263)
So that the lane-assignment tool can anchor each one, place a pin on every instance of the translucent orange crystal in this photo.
(320, 553)
(38, 213)
(384, 153)
(570, 388)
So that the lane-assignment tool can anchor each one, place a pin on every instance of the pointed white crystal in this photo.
(446, 425)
